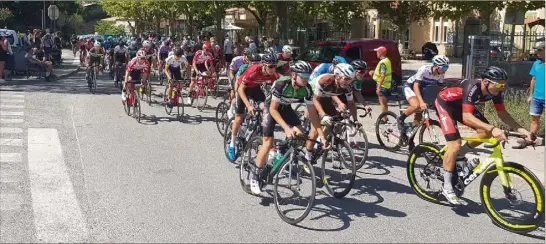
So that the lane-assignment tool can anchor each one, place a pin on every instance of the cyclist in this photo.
(174, 64)
(426, 75)
(201, 62)
(137, 71)
(286, 58)
(457, 104)
(74, 42)
(95, 57)
(163, 53)
(132, 49)
(326, 88)
(234, 67)
(278, 110)
(121, 55)
(248, 86)
(325, 68)
(150, 52)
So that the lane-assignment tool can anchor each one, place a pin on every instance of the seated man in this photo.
(37, 56)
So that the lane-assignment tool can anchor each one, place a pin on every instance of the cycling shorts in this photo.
(163, 56)
(200, 67)
(254, 93)
(288, 115)
(190, 59)
(450, 115)
(135, 76)
(175, 72)
(328, 106)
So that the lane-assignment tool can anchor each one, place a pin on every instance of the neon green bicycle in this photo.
(494, 166)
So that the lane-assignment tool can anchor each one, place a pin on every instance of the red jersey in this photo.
(467, 93)
(285, 67)
(201, 57)
(138, 64)
(253, 76)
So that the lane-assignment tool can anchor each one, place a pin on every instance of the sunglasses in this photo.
(304, 76)
(444, 67)
(496, 84)
(271, 66)
(360, 71)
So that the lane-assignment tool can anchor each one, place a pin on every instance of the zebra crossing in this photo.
(15, 199)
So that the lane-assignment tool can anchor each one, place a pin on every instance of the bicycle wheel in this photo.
(94, 83)
(149, 92)
(339, 184)
(221, 117)
(180, 106)
(388, 137)
(433, 134)
(290, 178)
(137, 108)
(359, 145)
(167, 101)
(248, 162)
(202, 94)
(227, 140)
(126, 106)
(430, 172)
(512, 198)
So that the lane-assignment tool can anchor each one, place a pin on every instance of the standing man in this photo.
(383, 77)
(277, 45)
(536, 95)
(228, 49)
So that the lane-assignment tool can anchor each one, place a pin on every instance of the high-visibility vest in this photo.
(388, 76)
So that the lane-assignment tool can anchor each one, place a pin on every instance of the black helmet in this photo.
(301, 67)
(269, 58)
(166, 43)
(177, 51)
(495, 73)
(122, 44)
(254, 57)
(247, 52)
(359, 64)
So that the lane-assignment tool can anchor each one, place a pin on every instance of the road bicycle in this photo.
(92, 76)
(174, 99)
(221, 114)
(200, 93)
(119, 74)
(250, 126)
(133, 101)
(492, 168)
(286, 171)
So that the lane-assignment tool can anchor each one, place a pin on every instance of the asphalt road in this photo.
(81, 170)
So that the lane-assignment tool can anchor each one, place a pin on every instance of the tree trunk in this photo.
(189, 26)
(218, 19)
(485, 16)
(132, 28)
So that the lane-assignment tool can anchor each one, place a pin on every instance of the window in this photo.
(436, 33)
(444, 35)
(320, 53)
(352, 54)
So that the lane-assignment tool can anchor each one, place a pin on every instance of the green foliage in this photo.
(516, 104)
(73, 24)
(5, 14)
(341, 13)
(406, 12)
(108, 28)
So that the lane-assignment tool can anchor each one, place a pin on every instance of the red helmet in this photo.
(206, 46)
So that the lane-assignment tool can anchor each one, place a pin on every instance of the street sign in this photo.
(53, 12)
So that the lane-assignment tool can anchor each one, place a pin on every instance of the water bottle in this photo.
(271, 156)
(409, 128)
(473, 164)
(461, 164)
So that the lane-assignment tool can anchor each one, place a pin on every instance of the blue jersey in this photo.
(323, 68)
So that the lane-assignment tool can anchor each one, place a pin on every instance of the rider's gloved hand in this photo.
(326, 120)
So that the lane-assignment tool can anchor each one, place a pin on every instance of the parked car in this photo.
(324, 52)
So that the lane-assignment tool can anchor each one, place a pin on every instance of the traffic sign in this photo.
(53, 12)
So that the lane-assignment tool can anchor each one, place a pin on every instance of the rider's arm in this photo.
(166, 68)
(470, 97)
(194, 63)
(315, 119)
(359, 97)
(337, 100)
(273, 110)
(505, 117)
(417, 91)
(318, 107)
(242, 95)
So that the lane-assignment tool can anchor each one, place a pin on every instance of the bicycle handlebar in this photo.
(507, 134)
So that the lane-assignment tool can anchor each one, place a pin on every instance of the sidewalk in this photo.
(69, 67)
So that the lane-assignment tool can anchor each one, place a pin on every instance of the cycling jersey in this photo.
(132, 51)
(201, 57)
(172, 61)
(284, 93)
(357, 85)
(149, 53)
(286, 66)
(329, 89)
(452, 102)
(95, 52)
(323, 68)
(236, 63)
(253, 76)
(241, 70)
(120, 53)
(424, 77)
(164, 51)
(137, 64)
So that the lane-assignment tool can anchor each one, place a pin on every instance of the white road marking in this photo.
(10, 176)
(57, 215)
(11, 121)
(11, 95)
(4, 100)
(10, 130)
(11, 113)
(10, 201)
(11, 158)
(11, 106)
(11, 142)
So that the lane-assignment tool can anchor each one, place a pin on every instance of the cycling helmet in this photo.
(97, 44)
(147, 43)
(133, 43)
(359, 64)
(287, 49)
(122, 44)
(269, 58)
(177, 51)
(254, 57)
(166, 43)
(247, 52)
(344, 70)
(495, 73)
(301, 67)
(206, 46)
(440, 60)
(339, 60)
(141, 54)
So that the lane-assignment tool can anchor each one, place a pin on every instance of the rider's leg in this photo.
(413, 106)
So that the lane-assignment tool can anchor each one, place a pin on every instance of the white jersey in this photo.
(329, 90)
(425, 77)
(171, 61)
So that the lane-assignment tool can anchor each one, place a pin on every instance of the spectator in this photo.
(228, 49)
(10, 61)
(47, 41)
(536, 96)
(26, 39)
(277, 45)
(252, 45)
(3, 54)
(37, 56)
(383, 76)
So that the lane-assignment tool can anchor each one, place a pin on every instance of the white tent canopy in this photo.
(228, 27)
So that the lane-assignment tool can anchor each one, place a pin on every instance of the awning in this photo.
(224, 27)
(536, 22)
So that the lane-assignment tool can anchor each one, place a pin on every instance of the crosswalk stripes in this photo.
(14, 195)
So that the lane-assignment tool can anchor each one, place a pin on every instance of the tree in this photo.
(109, 28)
(404, 14)
(5, 15)
(341, 13)
(261, 10)
(73, 24)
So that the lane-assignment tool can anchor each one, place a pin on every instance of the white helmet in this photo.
(287, 49)
(141, 54)
(146, 43)
(345, 70)
(440, 60)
